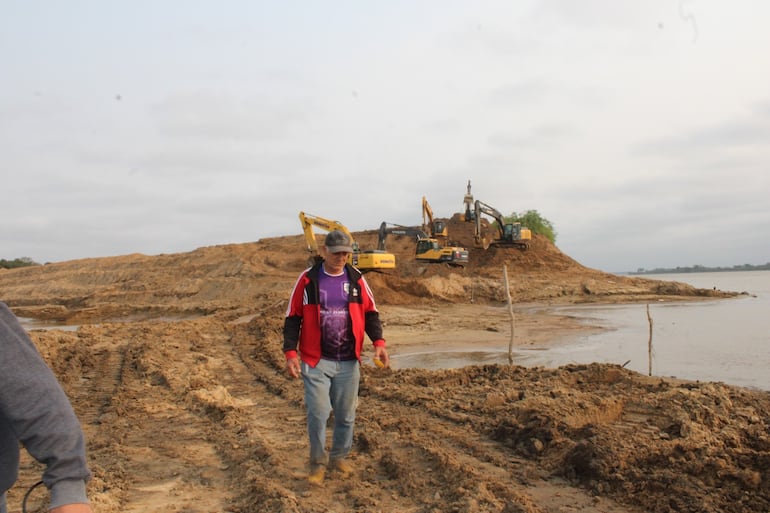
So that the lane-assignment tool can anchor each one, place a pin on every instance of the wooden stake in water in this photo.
(510, 312)
(649, 343)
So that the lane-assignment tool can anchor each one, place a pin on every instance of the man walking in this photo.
(330, 310)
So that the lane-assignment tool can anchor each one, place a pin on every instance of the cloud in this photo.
(750, 132)
(638, 143)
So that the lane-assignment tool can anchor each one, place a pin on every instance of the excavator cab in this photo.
(426, 245)
(512, 231)
(439, 229)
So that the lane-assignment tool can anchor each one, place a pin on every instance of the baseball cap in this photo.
(337, 242)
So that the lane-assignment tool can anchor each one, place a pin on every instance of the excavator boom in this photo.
(397, 229)
(434, 227)
(468, 204)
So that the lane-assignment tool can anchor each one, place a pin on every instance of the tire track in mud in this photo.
(141, 391)
(85, 367)
(211, 428)
(231, 416)
(90, 370)
(149, 447)
(173, 462)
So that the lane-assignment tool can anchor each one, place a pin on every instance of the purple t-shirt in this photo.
(337, 341)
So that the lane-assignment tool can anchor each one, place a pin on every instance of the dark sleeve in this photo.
(373, 325)
(35, 407)
(291, 327)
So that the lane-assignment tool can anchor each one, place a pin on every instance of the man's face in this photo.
(334, 262)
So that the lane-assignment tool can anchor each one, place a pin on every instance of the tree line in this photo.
(702, 269)
(16, 262)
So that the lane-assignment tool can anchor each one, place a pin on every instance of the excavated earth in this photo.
(173, 363)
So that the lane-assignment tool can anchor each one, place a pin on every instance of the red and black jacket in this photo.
(302, 326)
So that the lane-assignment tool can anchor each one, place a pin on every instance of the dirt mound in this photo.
(224, 277)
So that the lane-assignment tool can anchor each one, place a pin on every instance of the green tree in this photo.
(17, 262)
(535, 222)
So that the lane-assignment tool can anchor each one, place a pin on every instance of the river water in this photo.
(725, 340)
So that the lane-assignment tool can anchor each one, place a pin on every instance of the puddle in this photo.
(436, 360)
(34, 324)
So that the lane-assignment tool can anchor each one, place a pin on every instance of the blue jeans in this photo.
(330, 386)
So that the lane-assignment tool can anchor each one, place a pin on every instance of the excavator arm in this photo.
(483, 208)
(308, 221)
(468, 204)
(365, 261)
(435, 228)
(397, 229)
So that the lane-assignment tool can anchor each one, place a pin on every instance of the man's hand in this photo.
(381, 354)
(292, 367)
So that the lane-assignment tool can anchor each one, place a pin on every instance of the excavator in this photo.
(511, 235)
(435, 227)
(436, 247)
(372, 260)
(427, 249)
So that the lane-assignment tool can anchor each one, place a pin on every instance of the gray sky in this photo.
(640, 129)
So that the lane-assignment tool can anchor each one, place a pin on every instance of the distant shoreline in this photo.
(702, 269)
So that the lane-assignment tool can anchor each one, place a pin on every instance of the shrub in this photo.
(535, 222)
(17, 262)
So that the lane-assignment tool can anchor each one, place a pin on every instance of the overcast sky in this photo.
(640, 129)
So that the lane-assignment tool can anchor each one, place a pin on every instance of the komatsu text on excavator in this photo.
(371, 260)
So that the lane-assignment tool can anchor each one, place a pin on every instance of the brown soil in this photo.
(176, 372)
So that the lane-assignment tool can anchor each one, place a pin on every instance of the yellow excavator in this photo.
(427, 248)
(511, 235)
(435, 247)
(372, 260)
(435, 227)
